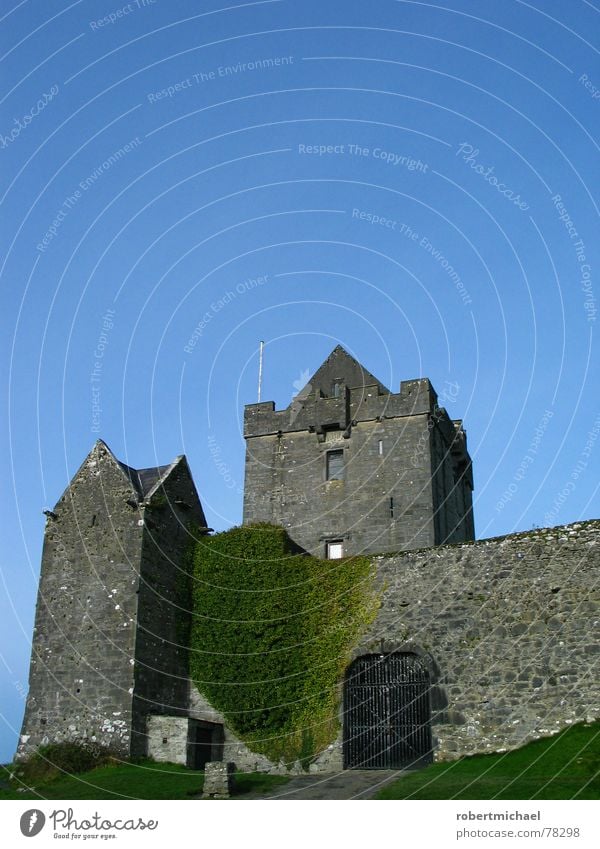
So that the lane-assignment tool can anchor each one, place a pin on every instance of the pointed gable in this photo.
(142, 482)
(145, 480)
(340, 369)
(90, 468)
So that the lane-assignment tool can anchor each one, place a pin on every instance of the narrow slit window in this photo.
(391, 508)
(335, 465)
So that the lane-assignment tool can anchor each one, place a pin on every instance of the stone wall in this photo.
(285, 474)
(110, 642)
(407, 478)
(510, 627)
(451, 480)
(167, 738)
(233, 748)
(82, 660)
(164, 601)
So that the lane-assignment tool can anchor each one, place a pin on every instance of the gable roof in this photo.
(142, 481)
(340, 366)
(145, 480)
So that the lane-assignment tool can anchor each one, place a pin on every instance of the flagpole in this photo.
(260, 368)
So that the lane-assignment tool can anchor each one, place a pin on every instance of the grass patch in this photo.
(144, 780)
(566, 766)
(56, 759)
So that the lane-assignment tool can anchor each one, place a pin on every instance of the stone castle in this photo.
(478, 645)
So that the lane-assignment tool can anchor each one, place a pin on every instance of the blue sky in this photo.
(411, 180)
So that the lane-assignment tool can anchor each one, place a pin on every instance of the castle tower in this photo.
(350, 467)
(113, 606)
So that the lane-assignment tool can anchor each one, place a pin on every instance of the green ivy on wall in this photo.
(272, 633)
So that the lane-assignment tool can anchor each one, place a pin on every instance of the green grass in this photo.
(147, 780)
(566, 766)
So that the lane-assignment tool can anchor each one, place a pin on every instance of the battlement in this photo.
(350, 464)
(316, 411)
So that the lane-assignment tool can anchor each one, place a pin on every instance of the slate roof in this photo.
(144, 480)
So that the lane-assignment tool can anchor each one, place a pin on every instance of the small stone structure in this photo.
(232, 748)
(219, 781)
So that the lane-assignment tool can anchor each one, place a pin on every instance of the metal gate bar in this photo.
(387, 716)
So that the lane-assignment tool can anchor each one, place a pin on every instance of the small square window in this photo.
(335, 465)
(165, 740)
(335, 549)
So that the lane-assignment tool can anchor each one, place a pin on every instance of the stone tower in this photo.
(350, 467)
(113, 606)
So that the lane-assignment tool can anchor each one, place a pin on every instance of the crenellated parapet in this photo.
(401, 477)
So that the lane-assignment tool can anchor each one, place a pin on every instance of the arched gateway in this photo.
(387, 713)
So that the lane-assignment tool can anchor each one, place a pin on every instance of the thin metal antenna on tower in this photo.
(260, 368)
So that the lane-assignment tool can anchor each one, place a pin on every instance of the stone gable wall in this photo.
(164, 602)
(82, 662)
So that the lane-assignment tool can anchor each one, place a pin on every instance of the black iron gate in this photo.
(387, 715)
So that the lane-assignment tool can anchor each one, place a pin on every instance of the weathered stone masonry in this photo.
(105, 649)
(511, 629)
(508, 628)
(406, 480)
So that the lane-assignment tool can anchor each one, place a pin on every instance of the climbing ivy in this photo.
(272, 633)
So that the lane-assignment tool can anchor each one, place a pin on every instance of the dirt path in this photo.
(350, 784)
